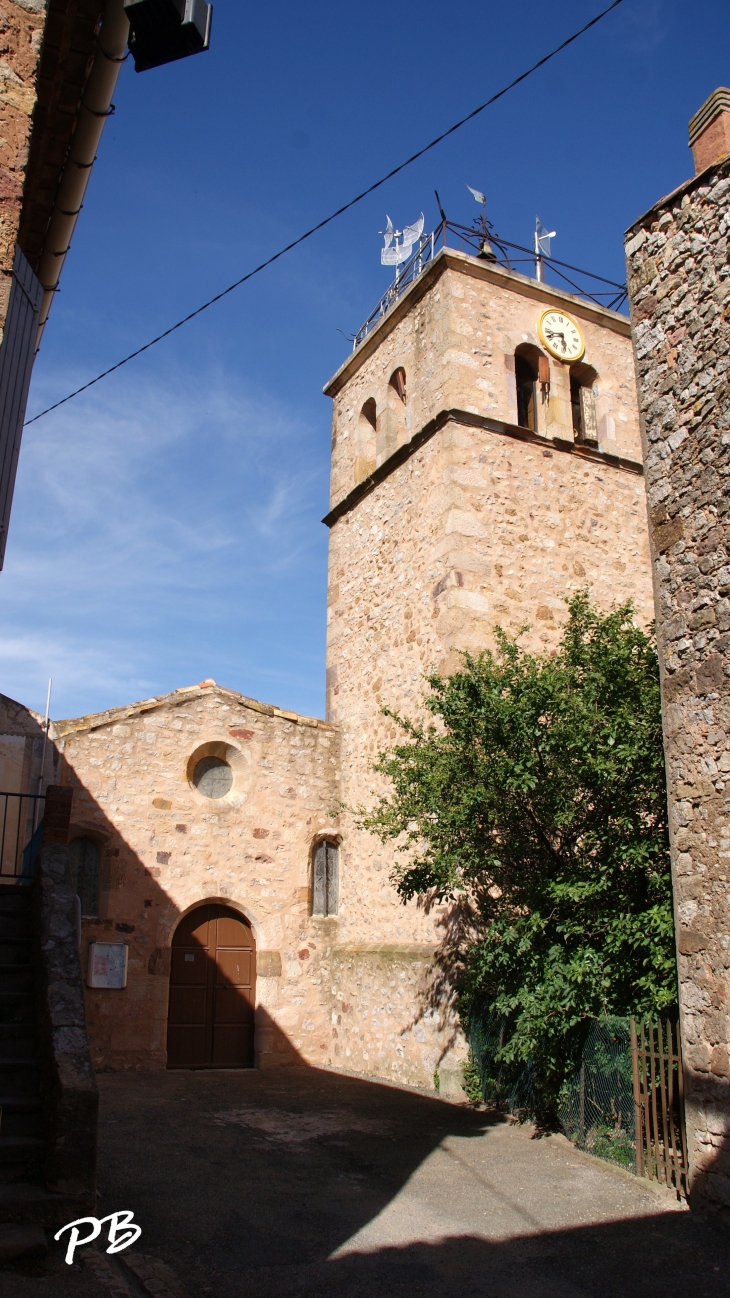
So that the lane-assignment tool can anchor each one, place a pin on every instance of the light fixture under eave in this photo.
(164, 30)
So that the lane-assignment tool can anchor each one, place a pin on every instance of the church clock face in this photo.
(561, 336)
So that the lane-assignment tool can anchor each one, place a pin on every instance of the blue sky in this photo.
(166, 525)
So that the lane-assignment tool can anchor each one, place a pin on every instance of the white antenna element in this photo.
(542, 248)
(478, 196)
(394, 253)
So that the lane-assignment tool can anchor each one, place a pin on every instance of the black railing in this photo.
(21, 818)
(488, 246)
(595, 288)
(425, 250)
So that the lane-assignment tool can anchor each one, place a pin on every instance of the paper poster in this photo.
(107, 964)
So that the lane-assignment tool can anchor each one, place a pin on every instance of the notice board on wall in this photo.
(107, 964)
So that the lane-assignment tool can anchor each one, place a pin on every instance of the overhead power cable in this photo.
(333, 215)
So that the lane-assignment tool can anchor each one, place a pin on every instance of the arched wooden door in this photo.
(210, 1021)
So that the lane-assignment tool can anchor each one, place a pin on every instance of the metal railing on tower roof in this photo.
(489, 247)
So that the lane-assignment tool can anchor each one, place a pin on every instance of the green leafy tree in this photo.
(540, 796)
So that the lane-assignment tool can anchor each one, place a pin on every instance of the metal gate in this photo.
(658, 1082)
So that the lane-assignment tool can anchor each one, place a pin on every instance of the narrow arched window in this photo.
(369, 413)
(83, 854)
(398, 383)
(582, 383)
(325, 878)
(365, 440)
(525, 380)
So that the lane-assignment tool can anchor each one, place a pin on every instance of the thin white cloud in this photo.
(155, 528)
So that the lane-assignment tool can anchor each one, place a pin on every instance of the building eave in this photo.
(471, 419)
(69, 43)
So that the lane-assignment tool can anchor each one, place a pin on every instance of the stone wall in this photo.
(21, 34)
(473, 530)
(454, 332)
(392, 1015)
(679, 280)
(22, 749)
(70, 1095)
(466, 524)
(165, 849)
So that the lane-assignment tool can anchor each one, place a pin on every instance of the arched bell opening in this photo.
(583, 380)
(392, 421)
(532, 379)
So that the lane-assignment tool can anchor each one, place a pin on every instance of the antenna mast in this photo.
(542, 248)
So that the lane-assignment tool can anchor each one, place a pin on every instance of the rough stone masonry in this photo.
(679, 286)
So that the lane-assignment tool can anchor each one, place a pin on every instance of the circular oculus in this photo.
(213, 777)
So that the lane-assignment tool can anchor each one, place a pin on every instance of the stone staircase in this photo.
(22, 1135)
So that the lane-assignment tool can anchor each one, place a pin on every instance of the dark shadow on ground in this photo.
(247, 1183)
(303, 1183)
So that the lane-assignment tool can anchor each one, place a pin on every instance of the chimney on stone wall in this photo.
(709, 130)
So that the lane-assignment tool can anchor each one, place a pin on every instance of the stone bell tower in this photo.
(486, 463)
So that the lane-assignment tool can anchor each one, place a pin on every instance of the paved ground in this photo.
(299, 1183)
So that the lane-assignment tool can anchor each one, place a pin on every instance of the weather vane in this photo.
(483, 226)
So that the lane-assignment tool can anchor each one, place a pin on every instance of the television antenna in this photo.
(542, 248)
(395, 253)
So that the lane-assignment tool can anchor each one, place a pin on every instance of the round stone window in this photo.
(213, 777)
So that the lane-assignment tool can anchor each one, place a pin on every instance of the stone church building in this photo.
(486, 462)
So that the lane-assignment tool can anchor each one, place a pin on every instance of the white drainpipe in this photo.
(93, 111)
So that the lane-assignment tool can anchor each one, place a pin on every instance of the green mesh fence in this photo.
(596, 1108)
(509, 1086)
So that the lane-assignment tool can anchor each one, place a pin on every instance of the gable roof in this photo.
(73, 725)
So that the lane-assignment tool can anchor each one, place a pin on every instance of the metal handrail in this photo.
(20, 833)
(488, 247)
(615, 291)
(404, 276)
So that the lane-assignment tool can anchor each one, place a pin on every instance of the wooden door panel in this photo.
(233, 1047)
(188, 1005)
(232, 1005)
(233, 932)
(232, 968)
(193, 929)
(186, 1046)
(188, 968)
(212, 991)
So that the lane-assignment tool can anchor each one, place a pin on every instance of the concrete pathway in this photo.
(301, 1183)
